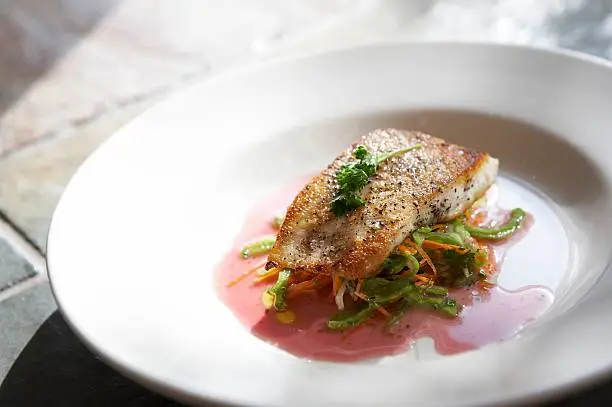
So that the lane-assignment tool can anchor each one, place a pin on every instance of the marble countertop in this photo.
(73, 71)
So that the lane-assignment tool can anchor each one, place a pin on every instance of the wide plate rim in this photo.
(150, 380)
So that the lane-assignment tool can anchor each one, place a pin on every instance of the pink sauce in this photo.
(488, 315)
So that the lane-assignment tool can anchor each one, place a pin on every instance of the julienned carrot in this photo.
(295, 289)
(383, 311)
(430, 244)
(270, 273)
(306, 286)
(336, 284)
(245, 275)
(407, 250)
(424, 255)
(422, 278)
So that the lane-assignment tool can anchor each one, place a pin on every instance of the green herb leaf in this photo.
(351, 178)
(343, 204)
(360, 152)
(354, 176)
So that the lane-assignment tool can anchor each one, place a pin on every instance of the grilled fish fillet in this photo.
(433, 184)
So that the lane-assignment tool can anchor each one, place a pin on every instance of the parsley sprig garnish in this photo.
(352, 177)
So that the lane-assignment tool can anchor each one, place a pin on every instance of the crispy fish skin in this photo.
(435, 183)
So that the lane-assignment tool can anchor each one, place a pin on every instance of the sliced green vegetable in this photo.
(274, 297)
(458, 229)
(256, 248)
(516, 221)
(397, 262)
(458, 269)
(405, 305)
(350, 318)
(381, 291)
(436, 290)
(445, 237)
(419, 235)
(445, 306)
(413, 264)
(450, 236)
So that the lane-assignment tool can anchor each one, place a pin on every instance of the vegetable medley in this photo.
(418, 273)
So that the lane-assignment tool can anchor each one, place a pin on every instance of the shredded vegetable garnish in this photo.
(335, 284)
(268, 274)
(516, 221)
(261, 246)
(351, 318)
(405, 305)
(417, 274)
(274, 296)
(245, 275)
(432, 244)
(339, 298)
(424, 255)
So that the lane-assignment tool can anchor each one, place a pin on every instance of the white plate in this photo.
(136, 237)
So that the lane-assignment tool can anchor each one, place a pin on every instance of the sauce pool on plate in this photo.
(488, 315)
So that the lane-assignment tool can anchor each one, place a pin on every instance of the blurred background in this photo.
(73, 71)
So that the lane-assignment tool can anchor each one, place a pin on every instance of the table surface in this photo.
(73, 71)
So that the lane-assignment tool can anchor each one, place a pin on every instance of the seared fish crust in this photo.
(433, 184)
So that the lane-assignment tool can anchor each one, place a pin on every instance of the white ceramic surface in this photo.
(135, 239)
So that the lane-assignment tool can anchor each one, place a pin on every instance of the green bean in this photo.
(396, 262)
(274, 297)
(382, 291)
(256, 248)
(413, 264)
(445, 306)
(349, 318)
(405, 306)
(444, 237)
(436, 290)
(516, 221)
(418, 237)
